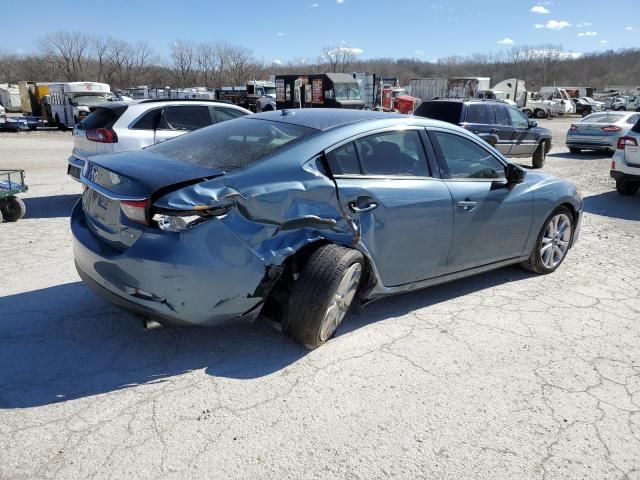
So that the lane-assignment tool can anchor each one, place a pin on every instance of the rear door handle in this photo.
(467, 205)
(493, 130)
(367, 208)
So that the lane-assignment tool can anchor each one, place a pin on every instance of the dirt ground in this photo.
(505, 375)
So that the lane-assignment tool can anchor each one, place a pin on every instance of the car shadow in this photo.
(63, 343)
(612, 204)
(581, 156)
(53, 206)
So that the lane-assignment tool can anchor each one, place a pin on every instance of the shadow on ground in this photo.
(612, 204)
(63, 343)
(53, 206)
(581, 156)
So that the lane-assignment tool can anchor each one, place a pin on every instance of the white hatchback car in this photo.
(120, 126)
(625, 165)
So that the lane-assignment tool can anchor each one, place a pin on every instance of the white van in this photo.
(70, 102)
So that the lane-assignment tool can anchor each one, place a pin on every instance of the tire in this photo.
(60, 125)
(1, 217)
(330, 270)
(540, 113)
(575, 150)
(536, 263)
(13, 209)
(528, 113)
(627, 188)
(621, 109)
(540, 155)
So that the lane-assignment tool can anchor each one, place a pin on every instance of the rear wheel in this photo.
(575, 150)
(323, 294)
(13, 209)
(540, 155)
(540, 113)
(552, 244)
(528, 113)
(627, 188)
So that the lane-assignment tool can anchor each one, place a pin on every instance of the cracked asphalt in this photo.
(505, 375)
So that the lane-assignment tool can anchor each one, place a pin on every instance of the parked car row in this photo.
(298, 215)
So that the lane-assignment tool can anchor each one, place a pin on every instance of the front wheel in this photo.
(540, 114)
(13, 209)
(575, 150)
(528, 113)
(552, 244)
(540, 155)
(323, 294)
(627, 188)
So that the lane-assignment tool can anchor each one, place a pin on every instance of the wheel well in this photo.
(547, 144)
(279, 292)
(572, 209)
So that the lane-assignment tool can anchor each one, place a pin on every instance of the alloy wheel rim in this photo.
(341, 301)
(555, 240)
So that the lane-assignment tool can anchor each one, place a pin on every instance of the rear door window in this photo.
(502, 117)
(344, 160)
(392, 153)
(148, 121)
(184, 117)
(480, 113)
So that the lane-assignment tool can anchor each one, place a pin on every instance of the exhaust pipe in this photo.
(150, 324)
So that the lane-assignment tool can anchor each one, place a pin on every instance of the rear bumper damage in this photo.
(213, 280)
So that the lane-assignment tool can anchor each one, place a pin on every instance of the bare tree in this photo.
(339, 57)
(68, 51)
(183, 56)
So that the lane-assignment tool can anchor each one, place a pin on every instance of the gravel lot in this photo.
(502, 376)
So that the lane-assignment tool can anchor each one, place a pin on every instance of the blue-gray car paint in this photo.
(223, 268)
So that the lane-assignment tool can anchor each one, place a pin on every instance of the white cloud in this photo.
(280, 34)
(584, 24)
(538, 25)
(588, 34)
(506, 41)
(345, 50)
(276, 61)
(419, 53)
(339, 2)
(604, 42)
(539, 9)
(314, 5)
(630, 29)
(546, 52)
(557, 24)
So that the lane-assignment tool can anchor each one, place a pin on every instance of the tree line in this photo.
(75, 56)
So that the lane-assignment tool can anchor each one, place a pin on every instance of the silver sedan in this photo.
(600, 131)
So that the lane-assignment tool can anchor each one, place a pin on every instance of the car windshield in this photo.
(89, 99)
(270, 90)
(602, 118)
(346, 92)
(588, 99)
(232, 144)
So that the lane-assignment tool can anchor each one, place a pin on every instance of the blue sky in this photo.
(284, 30)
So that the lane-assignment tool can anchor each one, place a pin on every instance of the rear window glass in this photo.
(445, 111)
(479, 113)
(601, 118)
(232, 144)
(102, 118)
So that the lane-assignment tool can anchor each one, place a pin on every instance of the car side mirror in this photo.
(533, 124)
(514, 173)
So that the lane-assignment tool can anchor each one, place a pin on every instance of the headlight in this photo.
(176, 223)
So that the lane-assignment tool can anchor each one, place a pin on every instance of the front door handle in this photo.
(468, 206)
(493, 130)
(362, 209)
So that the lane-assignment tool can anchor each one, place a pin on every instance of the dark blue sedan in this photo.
(300, 214)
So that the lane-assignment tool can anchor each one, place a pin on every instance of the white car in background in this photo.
(625, 165)
(119, 126)
(600, 131)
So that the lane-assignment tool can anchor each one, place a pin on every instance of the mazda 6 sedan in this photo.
(298, 215)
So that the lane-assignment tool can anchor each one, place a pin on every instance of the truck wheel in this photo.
(575, 150)
(552, 244)
(540, 155)
(13, 209)
(61, 126)
(528, 113)
(627, 188)
(323, 293)
(540, 113)
(621, 109)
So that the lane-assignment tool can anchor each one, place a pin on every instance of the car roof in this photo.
(489, 101)
(163, 101)
(324, 118)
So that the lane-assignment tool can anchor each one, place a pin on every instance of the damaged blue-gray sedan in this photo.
(298, 215)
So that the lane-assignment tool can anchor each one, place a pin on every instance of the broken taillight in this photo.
(135, 210)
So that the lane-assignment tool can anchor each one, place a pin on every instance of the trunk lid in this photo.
(139, 177)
